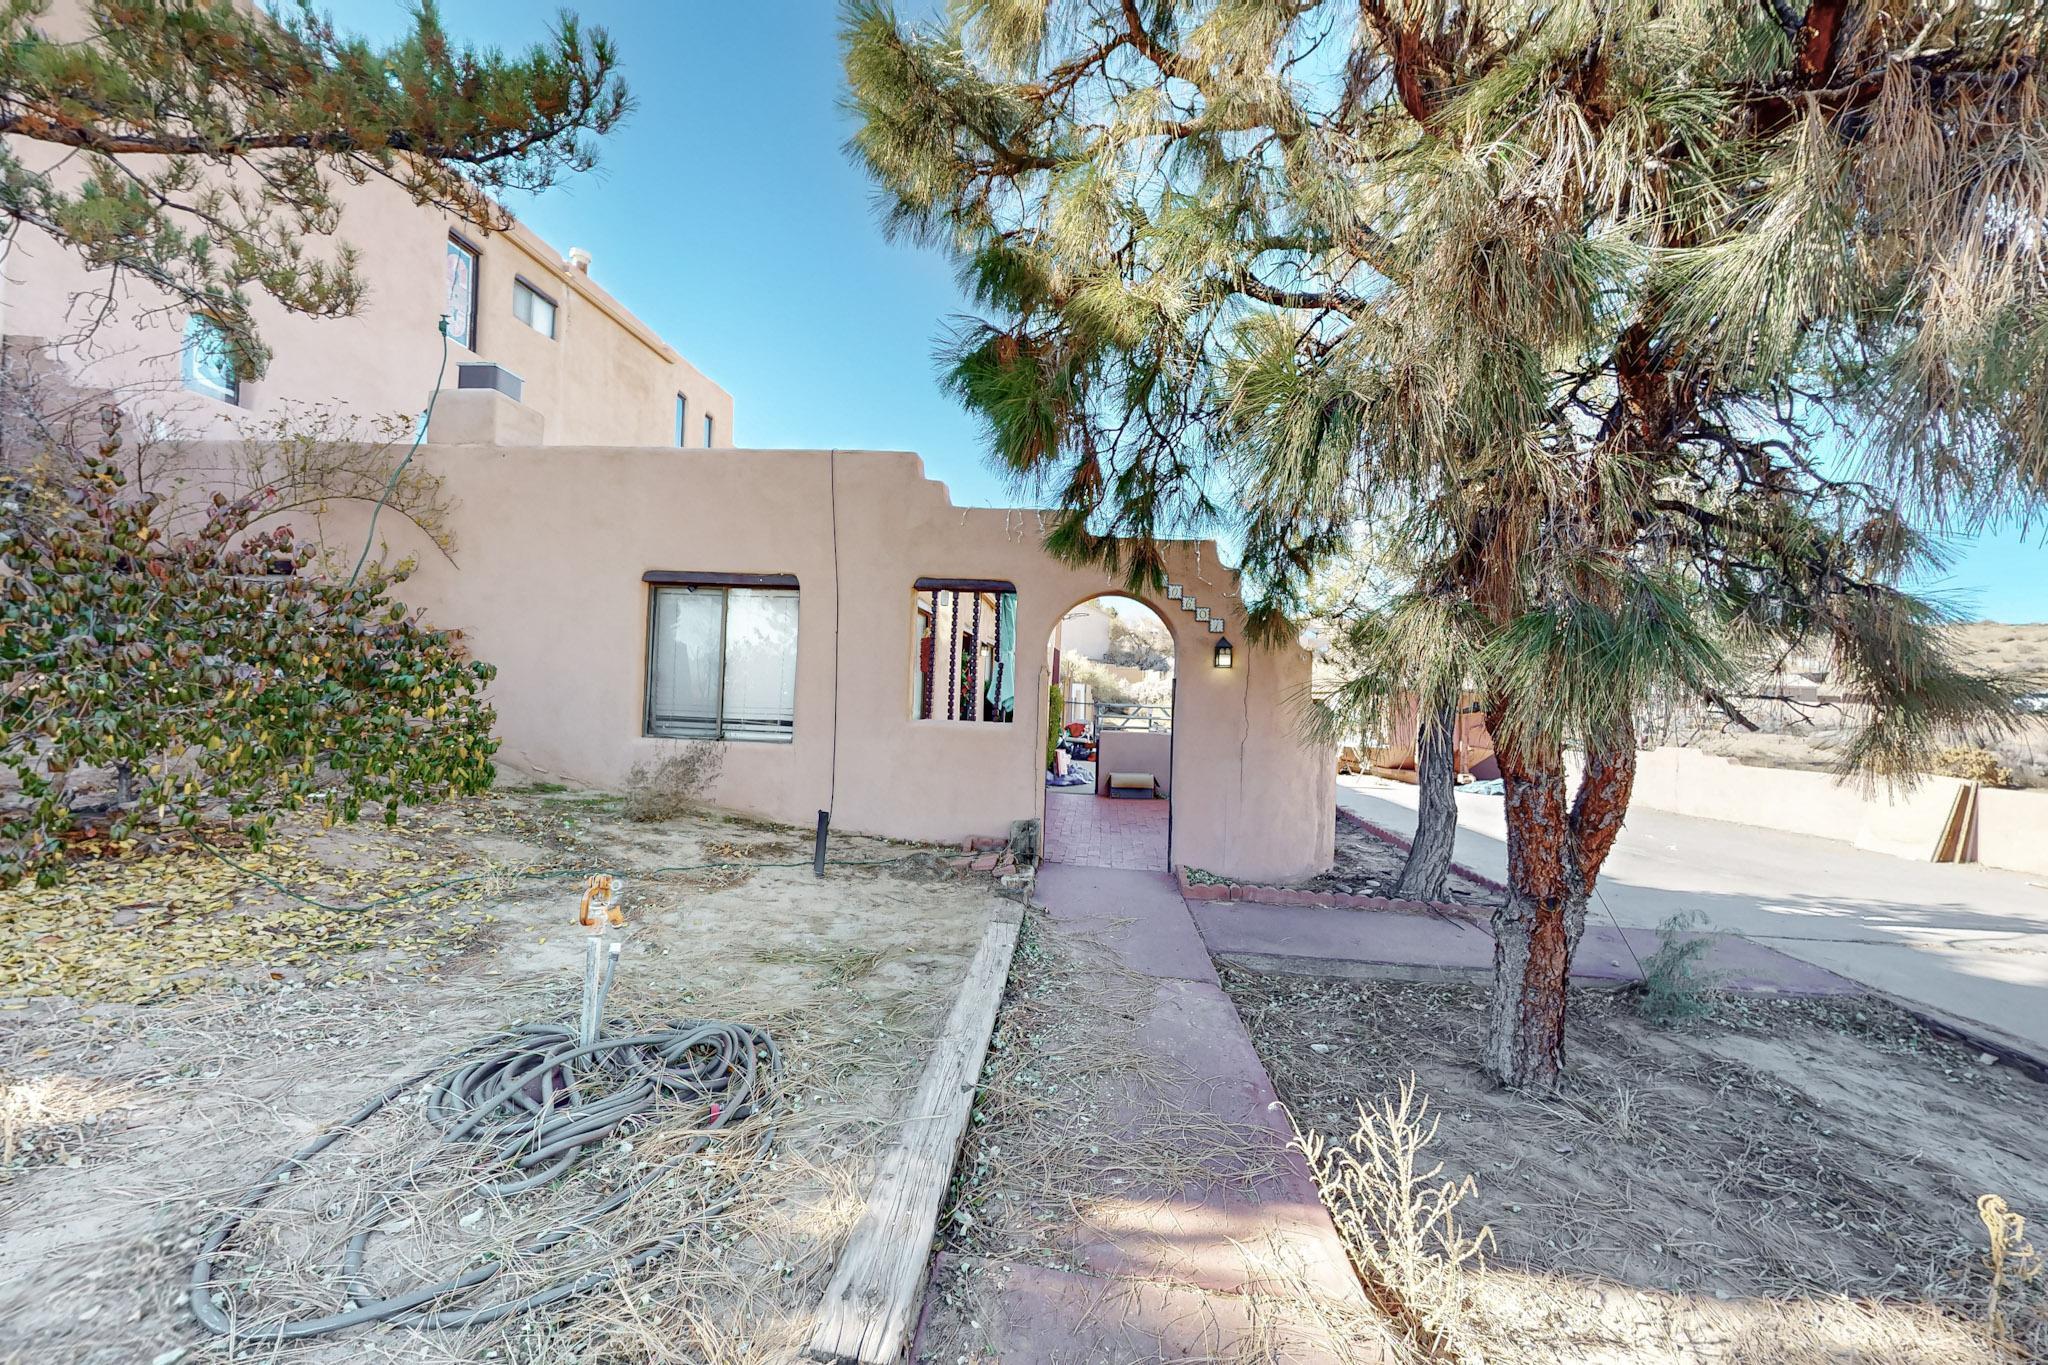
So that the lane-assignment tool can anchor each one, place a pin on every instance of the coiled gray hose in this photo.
(528, 1095)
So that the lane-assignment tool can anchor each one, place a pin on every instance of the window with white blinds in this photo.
(722, 663)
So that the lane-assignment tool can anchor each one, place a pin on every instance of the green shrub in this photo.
(208, 672)
(1673, 990)
(1055, 716)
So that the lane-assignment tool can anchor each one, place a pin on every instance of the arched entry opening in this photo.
(1109, 746)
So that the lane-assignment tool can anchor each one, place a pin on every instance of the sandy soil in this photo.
(1366, 865)
(2019, 652)
(1783, 1181)
(126, 1120)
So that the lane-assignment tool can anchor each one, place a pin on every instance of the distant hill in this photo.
(2019, 652)
(1811, 735)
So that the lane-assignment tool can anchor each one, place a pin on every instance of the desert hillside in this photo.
(1811, 734)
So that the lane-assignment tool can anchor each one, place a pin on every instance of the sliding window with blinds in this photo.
(721, 662)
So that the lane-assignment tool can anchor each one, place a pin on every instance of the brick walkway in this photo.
(1094, 831)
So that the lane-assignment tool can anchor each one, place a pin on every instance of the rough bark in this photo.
(1537, 928)
(1436, 817)
(1555, 853)
(1602, 800)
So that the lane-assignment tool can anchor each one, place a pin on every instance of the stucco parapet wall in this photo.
(484, 417)
(552, 545)
(1905, 822)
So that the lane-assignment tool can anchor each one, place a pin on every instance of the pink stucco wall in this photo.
(604, 378)
(551, 545)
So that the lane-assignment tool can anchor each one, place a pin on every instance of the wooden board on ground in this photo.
(872, 1301)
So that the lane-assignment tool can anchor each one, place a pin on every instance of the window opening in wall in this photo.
(461, 300)
(207, 362)
(707, 431)
(533, 308)
(721, 661)
(966, 642)
(682, 411)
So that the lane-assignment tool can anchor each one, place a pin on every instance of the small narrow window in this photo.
(533, 308)
(966, 640)
(707, 431)
(208, 362)
(682, 413)
(461, 301)
(721, 663)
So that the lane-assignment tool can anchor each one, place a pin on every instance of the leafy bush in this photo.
(1056, 716)
(1972, 765)
(208, 668)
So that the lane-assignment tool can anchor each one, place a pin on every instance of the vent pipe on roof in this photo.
(579, 259)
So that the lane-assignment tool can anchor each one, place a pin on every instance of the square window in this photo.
(721, 663)
(460, 303)
(208, 362)
(965, 634)
(533, 308)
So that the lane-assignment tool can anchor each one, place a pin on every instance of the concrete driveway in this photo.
(1960, 940)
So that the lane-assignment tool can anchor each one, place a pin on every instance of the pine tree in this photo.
(196, 146)
(1655, 334)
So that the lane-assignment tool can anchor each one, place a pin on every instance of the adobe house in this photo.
(789, 603)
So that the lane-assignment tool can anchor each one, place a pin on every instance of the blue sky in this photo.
(727, 215)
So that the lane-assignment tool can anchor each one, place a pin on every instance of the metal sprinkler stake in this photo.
(600, 912)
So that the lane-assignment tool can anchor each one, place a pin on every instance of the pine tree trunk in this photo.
(1436, 816)
(1554, 856)
(1537, 928)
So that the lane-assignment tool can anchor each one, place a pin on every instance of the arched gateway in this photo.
(856, 642)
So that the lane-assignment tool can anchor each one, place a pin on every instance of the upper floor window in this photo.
(682, 412)
(707, 431)
(461, 301)
(966, 640)
(721, 657)
(533, 308)
(207, 361)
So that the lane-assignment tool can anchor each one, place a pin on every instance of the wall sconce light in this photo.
(1226, 657)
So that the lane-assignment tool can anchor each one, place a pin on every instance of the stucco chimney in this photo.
(580, 259)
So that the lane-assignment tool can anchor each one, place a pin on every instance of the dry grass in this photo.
(1792, 1182)
(131, 1122)
(1399, 1219)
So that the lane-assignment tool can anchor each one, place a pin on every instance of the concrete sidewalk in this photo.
(1414, 947)
(1962, 942)
(1175, 1272)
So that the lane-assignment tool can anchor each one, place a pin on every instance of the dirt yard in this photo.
(1366, 865)
(1779, 1182)
(170, 1027)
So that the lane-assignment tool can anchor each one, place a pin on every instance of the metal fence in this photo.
(1124, 715)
